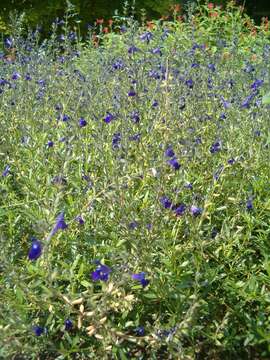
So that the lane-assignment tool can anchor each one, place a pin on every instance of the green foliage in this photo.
(208, 294)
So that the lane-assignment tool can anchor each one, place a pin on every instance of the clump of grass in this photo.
(135, 191)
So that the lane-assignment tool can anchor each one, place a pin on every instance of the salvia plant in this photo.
(134, 179)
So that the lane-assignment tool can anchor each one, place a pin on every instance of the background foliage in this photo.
(44, 12)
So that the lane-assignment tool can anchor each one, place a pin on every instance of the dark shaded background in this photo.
(43, 12)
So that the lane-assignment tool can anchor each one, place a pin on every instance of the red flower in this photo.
(213, 14)
(99, 21)
(210, 6)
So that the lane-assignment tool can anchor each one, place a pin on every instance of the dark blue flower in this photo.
(38, 330)
(63, 117)
(6, 171)
(82, 122)
(157, 51)
(135, 137)
(174, 163)
(8, 43)
(79, 219)
(135, 117)
(15, 76)
(256, 84)
(231, 161)
(247, 101)
(118, 64)
(131, 93)
(223, 116)
(179, 209)
(195, 211)
(155, 103)
(41, 82)
(225, 103)
(28, 77)
(133, 49)
(50, 143)
(60, 224)
(141, 278)
(215, 147)
(189, 83)
(116, 141)
(139, 331)
(109, 117)
(147, 36)
(169, 152)
(166, 202)
(133, 225)
(211, 67)
(249, 68)
(68, 324)
(249, 205)
(72, 36)
(58, 107)
(102, 273)
(188, 186)
(35, 250)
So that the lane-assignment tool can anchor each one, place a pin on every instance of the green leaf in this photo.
(266, 99)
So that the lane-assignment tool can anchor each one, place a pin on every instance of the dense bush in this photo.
(135, 190)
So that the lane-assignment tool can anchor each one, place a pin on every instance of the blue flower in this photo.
(50, 143)
(174, 163)
(131, 93)
(157, 51)
(155, 103)
(189, 83)
(188, 186)
(256, 84)
(118, 64)
(147, 36)
(38, 330)
(109, 117)
(63, 117)
(133, 49)
(211, 67)
(169, 152)
(135, 117)
(135, 137)
(6, 171)
(35, 250)
(8, 43)
(82, 122)
(133, 225)
(116, 141)
(28, 77)
(166, 202)
(139, 331)
(60, 224)
(102, 273)
(215, 147)
(15, 76)
(231, 161)
(249, 205)
(195, 211)
(141, 278)
(68, 324)
(247, 101)
(179, 209)
(79, 219)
